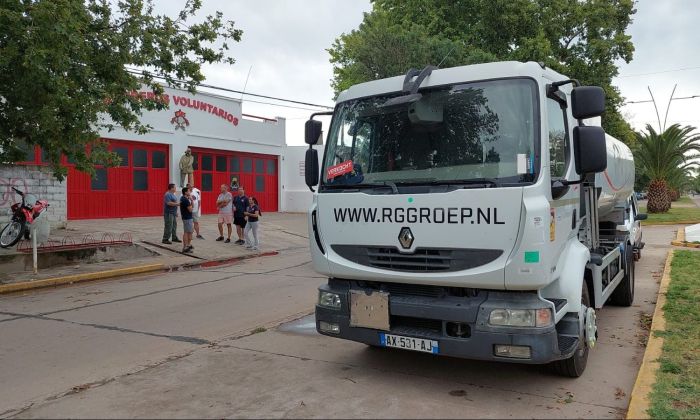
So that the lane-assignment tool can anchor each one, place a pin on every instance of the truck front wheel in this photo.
(574, 366)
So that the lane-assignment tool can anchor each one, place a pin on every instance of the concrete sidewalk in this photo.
(278, 231)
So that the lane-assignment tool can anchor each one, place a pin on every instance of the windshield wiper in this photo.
(493, 182)
(383, 184)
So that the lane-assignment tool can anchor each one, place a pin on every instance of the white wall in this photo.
(206, 129)
(296, 196)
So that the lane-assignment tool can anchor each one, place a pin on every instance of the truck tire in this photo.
(574, 366)
(623, 295)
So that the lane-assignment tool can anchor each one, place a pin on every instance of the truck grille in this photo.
(419, 324)
(421, 260)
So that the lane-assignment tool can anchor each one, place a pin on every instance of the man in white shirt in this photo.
(196, 198)
(225, 206)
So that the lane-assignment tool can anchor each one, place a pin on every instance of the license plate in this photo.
(409, 343)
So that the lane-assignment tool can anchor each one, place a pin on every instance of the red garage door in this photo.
(135, 188)
(256, 173)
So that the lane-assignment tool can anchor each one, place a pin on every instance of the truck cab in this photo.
(459, 211)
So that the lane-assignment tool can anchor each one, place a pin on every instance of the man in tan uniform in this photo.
(186, 168)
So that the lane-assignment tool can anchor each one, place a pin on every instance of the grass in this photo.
(685, 200)
(674, 215)
(677, 389)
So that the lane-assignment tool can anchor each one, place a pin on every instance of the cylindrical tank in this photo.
(617, 182)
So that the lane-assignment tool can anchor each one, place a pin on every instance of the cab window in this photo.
(558, 139)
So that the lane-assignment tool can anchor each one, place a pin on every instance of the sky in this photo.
(284, 50)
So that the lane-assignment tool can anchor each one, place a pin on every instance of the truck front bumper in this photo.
(429, 318)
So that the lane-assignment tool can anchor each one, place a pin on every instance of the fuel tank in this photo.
(617, 181)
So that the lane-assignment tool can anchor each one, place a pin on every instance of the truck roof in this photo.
(452, 75)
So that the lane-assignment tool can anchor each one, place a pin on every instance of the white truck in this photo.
(473, 212)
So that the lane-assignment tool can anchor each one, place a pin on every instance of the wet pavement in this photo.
(237, 341)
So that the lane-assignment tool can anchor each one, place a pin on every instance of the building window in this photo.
(259, 183)
(221, 163)
(247, 165)
(271, 167)
(99, 182)
(235, 164)
(140, 158)
(158, 159)
(206, 163)
(207, 182)
(259, 166)
(140, 180)
(123, 153)
(30, 152)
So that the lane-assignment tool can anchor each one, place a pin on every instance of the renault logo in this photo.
(406, 238)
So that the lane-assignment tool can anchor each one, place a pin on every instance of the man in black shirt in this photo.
(240, 204)
(187, 222)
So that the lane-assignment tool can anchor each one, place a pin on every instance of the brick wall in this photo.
(36, 180)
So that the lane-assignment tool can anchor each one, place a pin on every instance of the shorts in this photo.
(188, 225)
(195, 218)
(239, 221)
(225, 218)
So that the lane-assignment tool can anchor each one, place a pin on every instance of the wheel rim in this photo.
(10, 233)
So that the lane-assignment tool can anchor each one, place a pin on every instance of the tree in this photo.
(582, 39)
(380, 49)
(667, 158)
(63, 74)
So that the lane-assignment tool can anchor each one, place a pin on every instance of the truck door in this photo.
(564, 200)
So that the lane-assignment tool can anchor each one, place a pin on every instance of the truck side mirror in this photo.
(312, 132)
(311, 168)
(640, 216)
(590, 153)
(587, 102)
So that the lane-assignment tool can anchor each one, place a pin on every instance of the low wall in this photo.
(36, 180)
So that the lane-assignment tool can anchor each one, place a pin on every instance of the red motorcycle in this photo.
(23, 215)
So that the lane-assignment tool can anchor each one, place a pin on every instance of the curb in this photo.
(639, 402)
(76, 278)
(680, 240)
(119, 272)
(680, 222)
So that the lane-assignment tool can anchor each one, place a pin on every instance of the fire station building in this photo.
(225, 143)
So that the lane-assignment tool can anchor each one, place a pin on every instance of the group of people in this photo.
(240, 210)
(243, 211)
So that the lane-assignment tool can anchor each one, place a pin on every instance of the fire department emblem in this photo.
(179, 120)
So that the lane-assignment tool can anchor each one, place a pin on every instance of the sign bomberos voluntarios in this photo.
(184, 101)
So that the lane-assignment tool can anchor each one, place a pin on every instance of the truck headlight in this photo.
(521, 317)
(328, 299)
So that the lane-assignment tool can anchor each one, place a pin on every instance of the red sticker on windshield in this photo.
(339, 169)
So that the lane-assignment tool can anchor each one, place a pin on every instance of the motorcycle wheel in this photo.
(11, 233)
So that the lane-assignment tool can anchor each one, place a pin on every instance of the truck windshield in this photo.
(473, 132)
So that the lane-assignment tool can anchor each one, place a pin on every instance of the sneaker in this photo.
(255, 248)
(248, 247)
(188, 251)
(220, 238)
(227, 241)
(200, 237)
(165, 241)
(240, 242)
(176, 240)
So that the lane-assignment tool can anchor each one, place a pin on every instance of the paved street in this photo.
(182, 345)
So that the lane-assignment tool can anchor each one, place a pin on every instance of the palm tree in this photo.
(665, 157)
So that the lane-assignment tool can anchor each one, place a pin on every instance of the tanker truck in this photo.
(475, 212)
